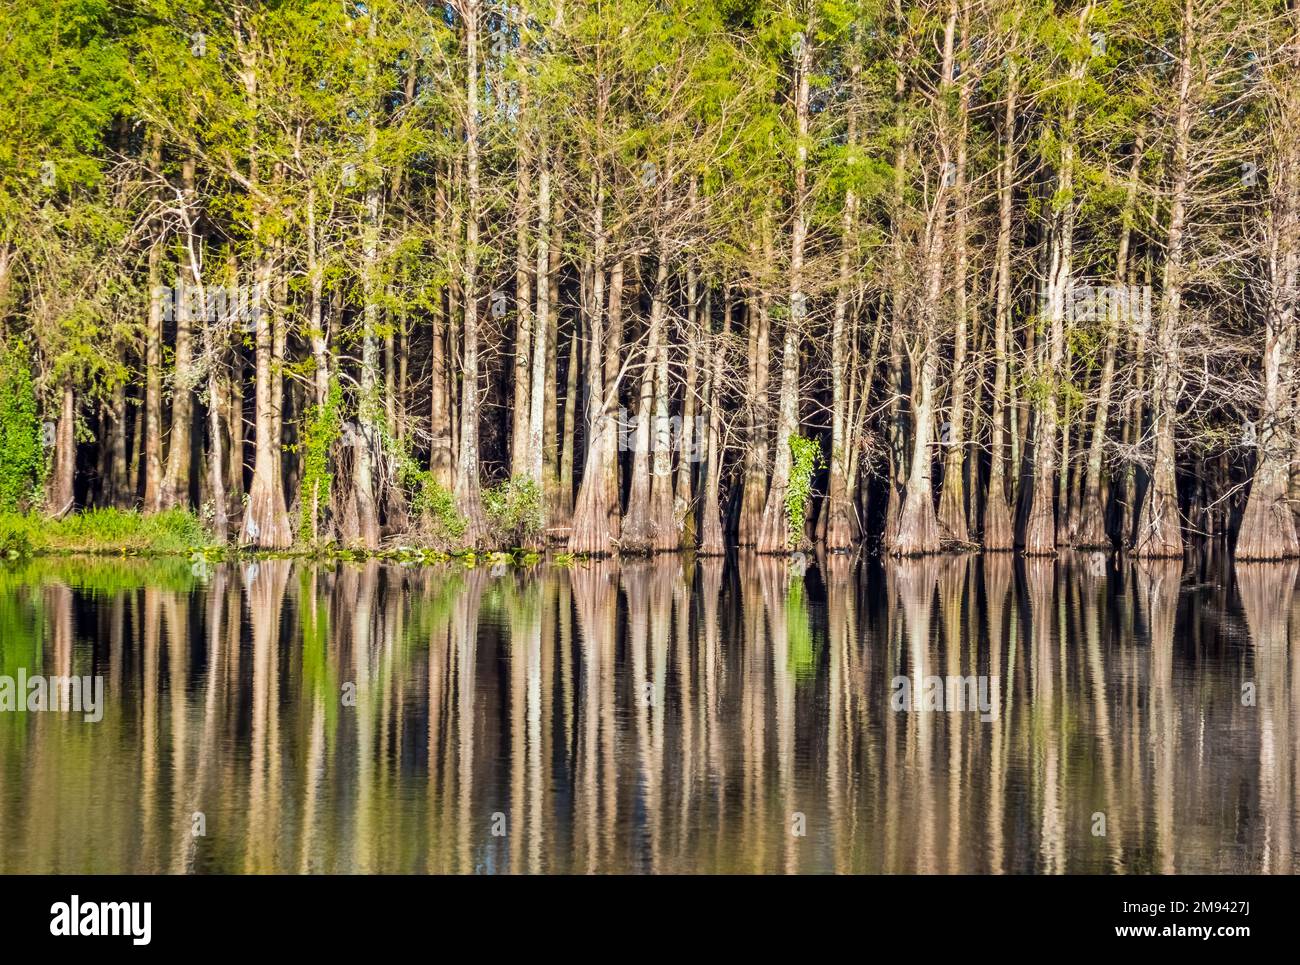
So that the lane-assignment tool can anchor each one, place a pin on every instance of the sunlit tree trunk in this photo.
(467, 466)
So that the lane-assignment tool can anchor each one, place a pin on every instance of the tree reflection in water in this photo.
(661, 715)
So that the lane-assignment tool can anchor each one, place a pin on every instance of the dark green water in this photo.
(675, 715)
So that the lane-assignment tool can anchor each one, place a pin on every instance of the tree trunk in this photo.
(997, 532)
(712, 538)
(468, 502)
(176, 482)
(774, 535)
(1159, 527)
(1091, 533)
(1268, 528)
(59, 495)
(153, 346)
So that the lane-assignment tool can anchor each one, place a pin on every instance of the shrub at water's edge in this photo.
(103, 531)
(513, 507)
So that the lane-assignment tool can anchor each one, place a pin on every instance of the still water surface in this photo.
(669, 715)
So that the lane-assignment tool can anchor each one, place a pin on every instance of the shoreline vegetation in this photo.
(179, 533)
(650, 276)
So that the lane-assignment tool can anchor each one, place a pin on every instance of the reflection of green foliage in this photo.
(799, 637)
(22, 463)
(318, 676)
(101, 576)
(806, 456)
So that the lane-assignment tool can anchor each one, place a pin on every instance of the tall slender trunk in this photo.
(266, 522)
(839, 529)
(1091, 532)
(153, 346)
(952, 498)
(467, 466)
(1268, 528)
(1159, 525)
(176, 481)
(997, 530)
(524, 458)
(642, 522)
(918, 524)
(536, 409)
(774, 535)
(712, 538)
(59, 496)
(754, 484)
(684, 510)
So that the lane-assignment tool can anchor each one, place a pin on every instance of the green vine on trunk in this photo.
(806, 458)
(321, 433)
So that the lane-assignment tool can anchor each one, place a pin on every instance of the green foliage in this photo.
(436, 506)
(514, 508)
(322, 431)
(806, 457)
(22, 462)
(433, 504)
(15, 541)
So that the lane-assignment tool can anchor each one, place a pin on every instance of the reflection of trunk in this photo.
(1157, 583)
(1266, 591)
(844, 697)
(265, 588)
(1090, 572)
(1041, 655)
(997, 583)
(787, 623)
(911, 587)
(595, 600)
(953, 570)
